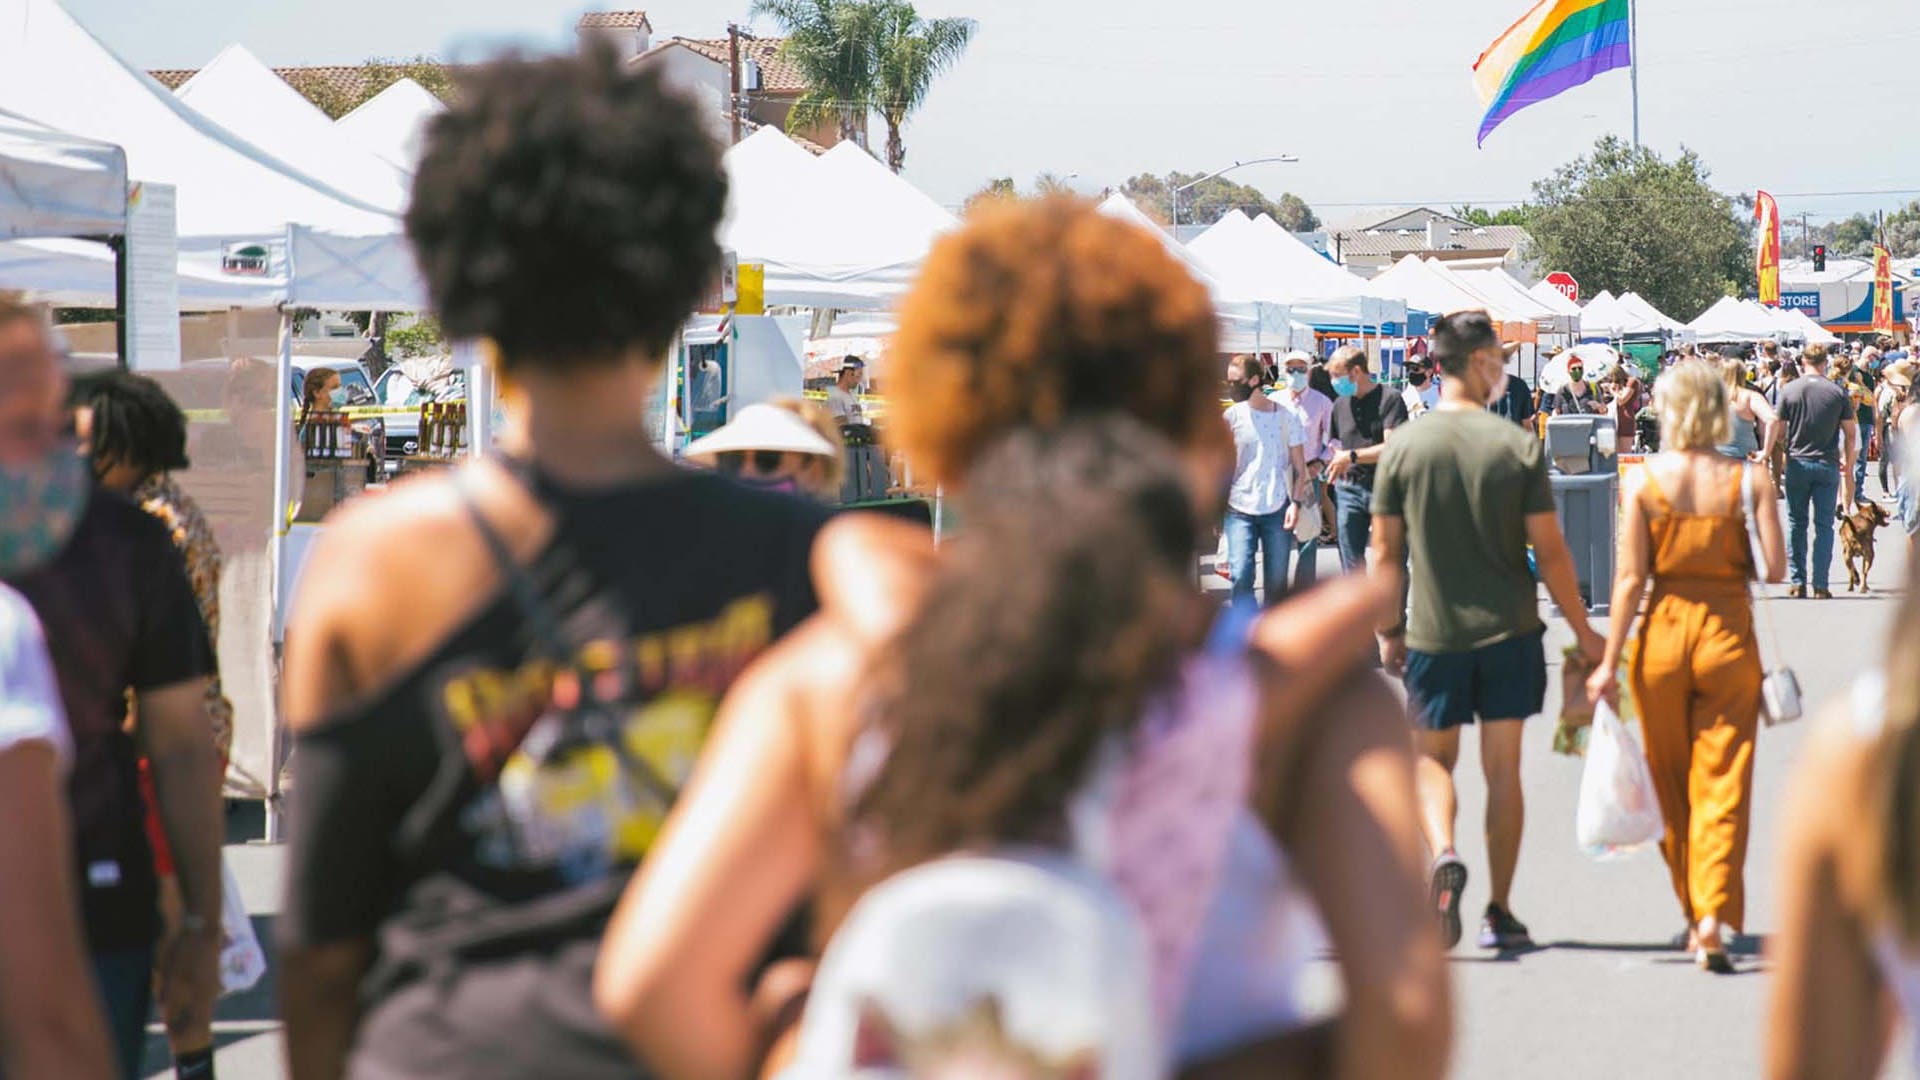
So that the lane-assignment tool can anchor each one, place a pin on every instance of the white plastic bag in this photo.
(1618, 809)
(242, 960)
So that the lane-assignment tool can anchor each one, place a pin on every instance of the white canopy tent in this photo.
(813, 229)
(243, 95)
(1500, 287)
(1555, 299)
(1429, 286)
(1605, 316)
(1732, 320)
(1811, 332)
(55, 184)
(1256, 258)
(1638, 305)
(391, 124)
(1248, 322)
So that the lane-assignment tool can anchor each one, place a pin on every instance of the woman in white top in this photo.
(1847, 955)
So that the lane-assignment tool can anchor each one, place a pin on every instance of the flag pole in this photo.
(1633, 64)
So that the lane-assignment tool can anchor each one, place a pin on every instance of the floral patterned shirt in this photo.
(162, 497)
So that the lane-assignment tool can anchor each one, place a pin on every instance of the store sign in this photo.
(1564, 282)
(1807, 302)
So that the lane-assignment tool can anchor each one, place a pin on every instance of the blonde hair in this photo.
(1694, 406)
(820, 419)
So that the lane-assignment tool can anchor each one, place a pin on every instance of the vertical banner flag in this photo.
(1766, 266)
(1882, 290)
(1558, 45)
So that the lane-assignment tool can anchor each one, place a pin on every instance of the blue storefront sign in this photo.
(1807, 302)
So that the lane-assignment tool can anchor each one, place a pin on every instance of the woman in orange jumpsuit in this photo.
(1696, 670)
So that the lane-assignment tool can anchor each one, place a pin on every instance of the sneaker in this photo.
(1449, 880)
(1822, 594)
(1500, 930)
(1798, 592)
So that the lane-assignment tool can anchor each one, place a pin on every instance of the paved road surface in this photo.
(1604, 999)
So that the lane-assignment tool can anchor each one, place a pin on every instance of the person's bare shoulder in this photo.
(870, 571)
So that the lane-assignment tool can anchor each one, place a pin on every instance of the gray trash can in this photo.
(1589, 516)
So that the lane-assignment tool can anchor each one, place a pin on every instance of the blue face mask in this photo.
(40, 505)
(338, 396)
(1344, 386)
(1297, 380)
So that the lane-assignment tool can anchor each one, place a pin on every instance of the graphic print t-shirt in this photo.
(481, 828)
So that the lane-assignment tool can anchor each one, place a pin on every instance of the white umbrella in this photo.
(1596, 361)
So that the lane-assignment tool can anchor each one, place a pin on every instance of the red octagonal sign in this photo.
(1563, 281)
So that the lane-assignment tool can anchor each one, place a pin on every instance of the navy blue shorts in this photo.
(1503, 681)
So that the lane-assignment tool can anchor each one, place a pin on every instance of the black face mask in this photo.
(1417, 378)
(1240, 391)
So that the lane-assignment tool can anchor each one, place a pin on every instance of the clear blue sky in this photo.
(1374, 96)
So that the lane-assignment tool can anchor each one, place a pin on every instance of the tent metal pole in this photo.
(119, 244)
(277, 553)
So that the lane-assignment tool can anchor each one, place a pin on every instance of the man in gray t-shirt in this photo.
(1822, 439)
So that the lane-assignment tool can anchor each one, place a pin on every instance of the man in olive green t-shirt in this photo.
(1466, 492)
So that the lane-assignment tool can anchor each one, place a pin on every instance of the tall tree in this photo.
(997, 190)
(1294, 215)
(1622, 218)
(1210, 200)
(910, 54)
(835, 45)
(1474, 215)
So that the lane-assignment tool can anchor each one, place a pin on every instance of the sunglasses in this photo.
(751, 462)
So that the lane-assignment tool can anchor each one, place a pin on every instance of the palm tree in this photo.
(911, 53)
(834, 43)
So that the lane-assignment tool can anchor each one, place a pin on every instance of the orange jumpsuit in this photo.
(1696, 679)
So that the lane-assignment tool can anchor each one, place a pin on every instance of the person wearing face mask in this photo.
(1313, 411)
(772, 448)
(1269, 483)
(321, 391)
(1365, 414)
(1577, 397)
(50, 1023)
(1422, 391)
(1467, 494)
(120, 618)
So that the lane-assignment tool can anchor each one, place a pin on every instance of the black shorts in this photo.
(1503, 681)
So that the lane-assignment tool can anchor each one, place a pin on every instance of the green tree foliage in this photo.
(1621, 218)
(912, 53)
(1512, 215)
(421, 337)
(995, 190)
(864, 56)
(376, 75)
(1211, 200)
(1854, 237)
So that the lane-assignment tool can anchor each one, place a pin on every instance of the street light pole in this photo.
(1282, 159)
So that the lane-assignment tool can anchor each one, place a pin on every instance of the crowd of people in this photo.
(609, 767)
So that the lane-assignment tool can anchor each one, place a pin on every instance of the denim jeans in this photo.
(125, 982)
(1353, 511)
(1269, 535)
(1813, 487)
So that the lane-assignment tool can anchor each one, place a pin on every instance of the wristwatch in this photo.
(1353, 457)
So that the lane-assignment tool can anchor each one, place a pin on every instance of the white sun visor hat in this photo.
(762, 427)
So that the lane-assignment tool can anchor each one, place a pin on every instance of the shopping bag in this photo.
(1618, 809)
(242, 960)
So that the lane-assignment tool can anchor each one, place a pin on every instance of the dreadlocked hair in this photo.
(135, 422)
(1895, 786)
(1056, 613)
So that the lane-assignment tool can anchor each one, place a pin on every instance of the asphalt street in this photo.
(1604, 997)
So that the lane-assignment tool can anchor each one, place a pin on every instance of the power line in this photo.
(1614, 199)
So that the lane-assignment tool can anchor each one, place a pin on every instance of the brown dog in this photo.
(1856, 540)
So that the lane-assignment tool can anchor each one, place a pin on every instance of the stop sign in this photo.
(1563, 281)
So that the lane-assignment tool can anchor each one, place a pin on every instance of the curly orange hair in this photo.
(1036, 311)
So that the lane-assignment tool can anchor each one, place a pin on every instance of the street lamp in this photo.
(1283, 159)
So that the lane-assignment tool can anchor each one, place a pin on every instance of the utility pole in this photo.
(1806, 237)
(733, 66)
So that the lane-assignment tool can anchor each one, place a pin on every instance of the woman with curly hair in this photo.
(1058, 370)
(497, 680)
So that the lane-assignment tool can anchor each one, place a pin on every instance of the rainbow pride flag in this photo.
(1556, 46)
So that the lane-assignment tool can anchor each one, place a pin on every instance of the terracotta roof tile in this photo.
(614, 20)
(172, 78)
(346, 80)
(777, 75)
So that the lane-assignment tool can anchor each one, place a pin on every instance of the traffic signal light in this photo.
(1819, 257)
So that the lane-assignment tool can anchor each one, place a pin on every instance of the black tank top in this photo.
(480, 818)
